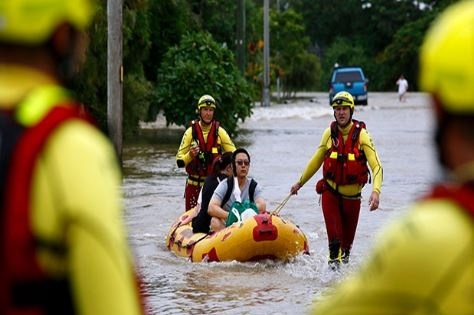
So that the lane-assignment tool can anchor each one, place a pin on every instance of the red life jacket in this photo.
(201, 166)
(25, 288)
(344, 163)
(463, 195)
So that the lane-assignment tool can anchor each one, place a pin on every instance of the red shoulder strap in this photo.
(212, 136)
(206, 146)
(197, 135)
(18, 239)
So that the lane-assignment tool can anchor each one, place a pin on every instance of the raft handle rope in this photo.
(280, 206)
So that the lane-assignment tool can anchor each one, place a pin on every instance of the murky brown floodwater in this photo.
(280, 139)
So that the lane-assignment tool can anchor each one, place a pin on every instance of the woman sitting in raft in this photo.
(245, 193)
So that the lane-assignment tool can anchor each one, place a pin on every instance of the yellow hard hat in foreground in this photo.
(33, 21)
(447, 59)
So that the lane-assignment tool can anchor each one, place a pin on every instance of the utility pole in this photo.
(240, 44)
(114, 74)
(266, 55)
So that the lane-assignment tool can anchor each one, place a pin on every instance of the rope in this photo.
(280, 206)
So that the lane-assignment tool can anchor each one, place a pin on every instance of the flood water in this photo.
(281, 139)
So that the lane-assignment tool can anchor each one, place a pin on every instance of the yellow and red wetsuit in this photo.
(211, 144)
(74, 209)
(421, 264)
(341, 202)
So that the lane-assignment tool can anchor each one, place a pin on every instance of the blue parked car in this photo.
(352, 80)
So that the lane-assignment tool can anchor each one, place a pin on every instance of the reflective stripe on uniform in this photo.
(195, 183)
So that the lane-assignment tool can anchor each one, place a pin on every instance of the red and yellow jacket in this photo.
(212, 140)
(423, 263)
(358, 148)
(63, 211)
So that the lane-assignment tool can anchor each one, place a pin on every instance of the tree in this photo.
(91, 84)
(344, 52)
(290, 60)
(382, 36)
(302, 74)
(200, 66)
(218, 17)
(168, 21)
(137, 90)
(325, 20)
(368, 33)
(401, 55)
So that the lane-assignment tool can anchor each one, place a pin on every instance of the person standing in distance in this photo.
(344, 151)
(402, 88)
(423, 263)
(63, 243)
(202, 142)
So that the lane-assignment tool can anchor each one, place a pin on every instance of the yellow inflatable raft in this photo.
(263, 236)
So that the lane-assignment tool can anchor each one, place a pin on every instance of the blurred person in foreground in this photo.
(345, 151)
(63, 244)
(424, 262)
(203, 141)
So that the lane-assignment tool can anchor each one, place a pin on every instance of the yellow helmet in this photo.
(343, 98)
(447, 59)
(33, 21)
(206, 100)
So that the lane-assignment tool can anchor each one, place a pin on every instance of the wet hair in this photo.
(239, 150)
(221, 162)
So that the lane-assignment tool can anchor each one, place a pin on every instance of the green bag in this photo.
(240, 211)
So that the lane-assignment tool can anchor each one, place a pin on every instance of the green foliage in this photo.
(383, 19)
(401, 55)
(91, 82)
(136, 36)
(298, 69)
(344, 52)
(218, 17)
(137, 90)
(287, 33)
(168, 21)
(325, 20)
(382, 36)
(137, 97)
(302, 74)
(200, 66)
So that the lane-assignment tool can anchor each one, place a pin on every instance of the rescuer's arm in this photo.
(215, 209)
(186, 153)
(375, 165)
(225, 140)
(314, 163)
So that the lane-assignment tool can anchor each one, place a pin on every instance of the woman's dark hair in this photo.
(239, 150)
(221, 162)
